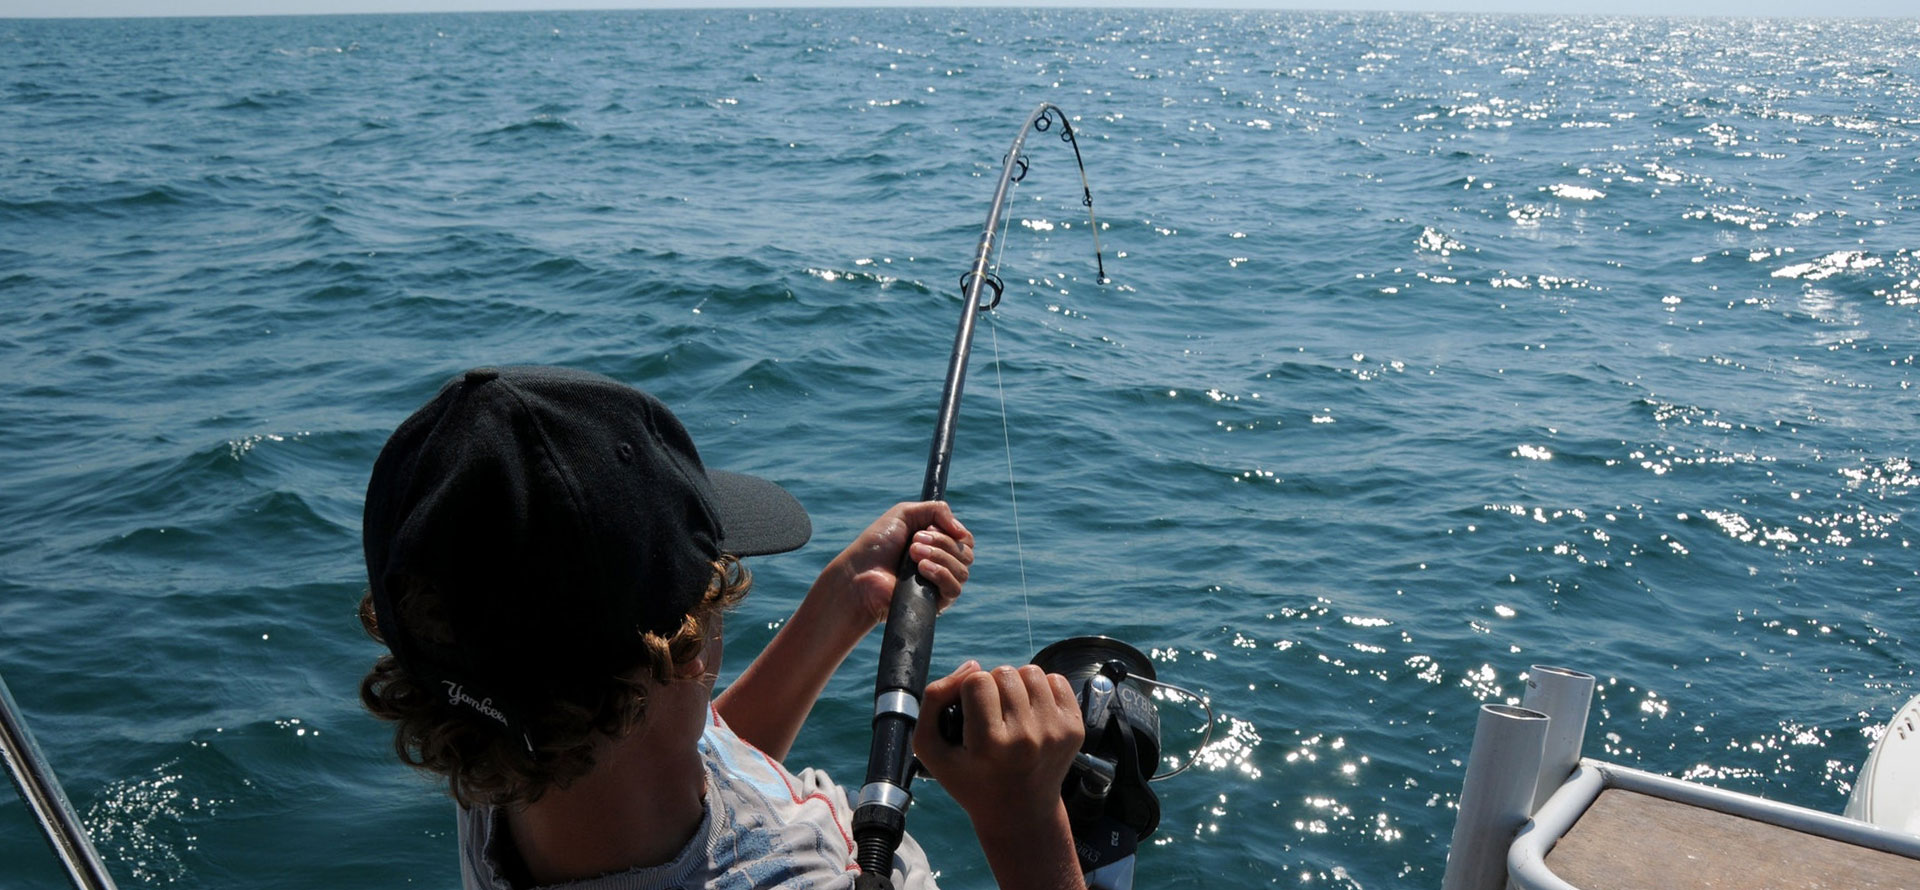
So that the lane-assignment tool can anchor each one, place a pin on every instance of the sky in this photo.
(118, 8)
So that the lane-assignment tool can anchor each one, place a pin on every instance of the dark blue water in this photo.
(1435, 347)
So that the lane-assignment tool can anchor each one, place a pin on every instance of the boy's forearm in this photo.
(769, 702)
(1031, 851)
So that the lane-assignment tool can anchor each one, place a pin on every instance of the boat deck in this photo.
(1668, 845)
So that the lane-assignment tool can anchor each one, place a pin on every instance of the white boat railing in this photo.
(43, 795)
(1526, 785)
(1526, 860)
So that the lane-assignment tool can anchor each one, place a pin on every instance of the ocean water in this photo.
(1434, 347)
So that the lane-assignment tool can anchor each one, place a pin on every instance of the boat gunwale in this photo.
(1527, 867)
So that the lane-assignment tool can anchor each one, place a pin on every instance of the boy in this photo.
(548, 562)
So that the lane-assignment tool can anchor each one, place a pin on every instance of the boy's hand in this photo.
(866, 573)
(1022, 727)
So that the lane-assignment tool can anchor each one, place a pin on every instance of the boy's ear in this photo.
(694, 669)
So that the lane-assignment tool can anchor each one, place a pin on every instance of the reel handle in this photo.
(1096, 773)
(952, 723)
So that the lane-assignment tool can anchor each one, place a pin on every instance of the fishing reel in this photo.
(1110, 805)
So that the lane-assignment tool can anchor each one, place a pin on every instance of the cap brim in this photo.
(757, 517)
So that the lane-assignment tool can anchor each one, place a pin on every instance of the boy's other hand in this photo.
(1022, 727)
(866, 572)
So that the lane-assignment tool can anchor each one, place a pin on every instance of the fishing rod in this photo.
(42, 794)
(880, 819)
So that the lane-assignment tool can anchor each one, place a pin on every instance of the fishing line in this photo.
(1006, 435)
(1019, 548)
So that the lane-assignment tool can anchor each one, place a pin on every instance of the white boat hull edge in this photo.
(1887, 791)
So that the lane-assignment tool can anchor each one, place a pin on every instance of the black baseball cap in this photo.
(558, 515)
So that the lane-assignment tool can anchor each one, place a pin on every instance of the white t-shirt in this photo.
(762, 827)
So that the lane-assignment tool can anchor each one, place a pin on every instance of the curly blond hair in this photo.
(484, 766)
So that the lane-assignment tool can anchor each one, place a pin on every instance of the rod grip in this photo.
(907, 646)
(904, 654)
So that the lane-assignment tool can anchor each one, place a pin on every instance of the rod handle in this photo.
(907, 645)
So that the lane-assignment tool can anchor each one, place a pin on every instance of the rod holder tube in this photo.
(1564, 696)
(1495, 796)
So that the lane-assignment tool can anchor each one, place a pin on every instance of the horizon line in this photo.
(510, 8)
